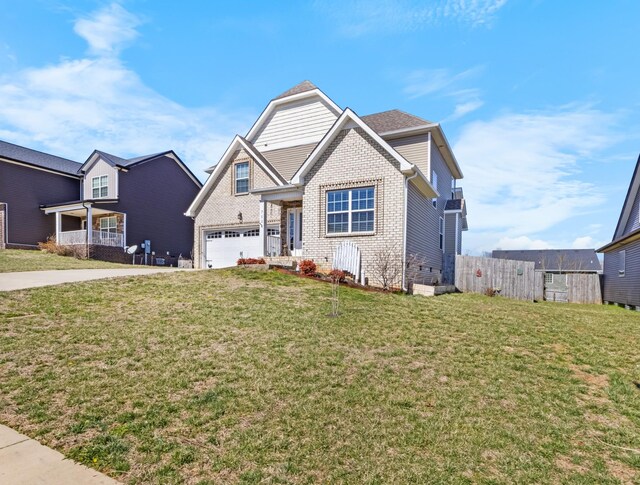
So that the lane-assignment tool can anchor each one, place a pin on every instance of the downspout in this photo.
(404, 230)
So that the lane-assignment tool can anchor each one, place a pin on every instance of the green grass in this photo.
(240, 377)
(25, 260)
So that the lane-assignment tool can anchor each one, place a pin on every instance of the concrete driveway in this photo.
(33, 279)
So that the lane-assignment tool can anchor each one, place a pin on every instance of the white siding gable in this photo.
(295, 123)
(97, 169)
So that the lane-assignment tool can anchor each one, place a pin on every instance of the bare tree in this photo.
(387, 266)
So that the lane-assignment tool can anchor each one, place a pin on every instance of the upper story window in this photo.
(622, 262)
(350, 211)
(434, 182)
(241, 177)
(99, 186)
(441, 233)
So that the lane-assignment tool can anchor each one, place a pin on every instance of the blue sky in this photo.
(539, 99)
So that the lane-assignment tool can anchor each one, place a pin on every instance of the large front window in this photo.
(100, 186)
(242, 177)
(350, 211)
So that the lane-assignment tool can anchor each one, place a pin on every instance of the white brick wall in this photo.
(353, 159)
(221, 207)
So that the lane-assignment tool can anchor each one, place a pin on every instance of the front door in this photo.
(294, 231)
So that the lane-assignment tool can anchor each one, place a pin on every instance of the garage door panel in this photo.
(224, 251)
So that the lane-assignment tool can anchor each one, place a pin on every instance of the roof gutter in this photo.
(631, 237)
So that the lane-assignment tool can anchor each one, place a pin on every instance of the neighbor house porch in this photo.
(85, 222)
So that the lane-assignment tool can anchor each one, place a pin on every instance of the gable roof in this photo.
(633, 192)
(392, 120)
(127, 163)
(349, 119)
(237, 143)
(298, 88)
(554, 259)
(39, 159)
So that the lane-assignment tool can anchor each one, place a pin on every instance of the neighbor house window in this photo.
(242, 177)
(622, 255)
(109, 224)
(100, 186)
(441, 233)
(350, 211)
(434, 182)
(548, 278)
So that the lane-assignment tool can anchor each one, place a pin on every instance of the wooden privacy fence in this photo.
(512, 279)
(519, 280)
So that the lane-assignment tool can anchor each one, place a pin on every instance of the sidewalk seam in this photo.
(13, 444)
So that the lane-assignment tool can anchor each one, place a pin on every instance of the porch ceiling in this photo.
(83, 213)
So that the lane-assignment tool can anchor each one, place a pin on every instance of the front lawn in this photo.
(239, 376)
(33, 260)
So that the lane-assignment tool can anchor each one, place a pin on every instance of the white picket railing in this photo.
(101, 238)
(273, 246)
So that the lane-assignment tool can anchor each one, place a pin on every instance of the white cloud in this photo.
(523, 174)
(359, 17)
(75, 106)
(108, 30)
(444, 83)
(522, 242)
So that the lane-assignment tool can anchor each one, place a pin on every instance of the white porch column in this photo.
(124, 230)
(58, 226)
(89, 226)
(263, 226)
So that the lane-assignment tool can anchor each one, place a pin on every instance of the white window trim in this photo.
(434, 182)
(548, 278)
(108, 227)
(100, 186)
(350, 212)
(247, 178)
(622, 262)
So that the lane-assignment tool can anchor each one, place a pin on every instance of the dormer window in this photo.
(241, 177)
(99, 187)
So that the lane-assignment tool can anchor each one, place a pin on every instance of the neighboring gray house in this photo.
(622, 254)
(386, 180)
(106, 203)
(555, 264)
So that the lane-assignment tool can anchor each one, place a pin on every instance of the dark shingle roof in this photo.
(126, 162)
(555, 259)
(298, 88)
(393, 120)
(38, 159)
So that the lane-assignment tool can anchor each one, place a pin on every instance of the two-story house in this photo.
(621, 267)
(310, 174)
(105, 203)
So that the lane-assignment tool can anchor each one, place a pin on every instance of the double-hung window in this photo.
(109, 224)
(99, 186)
(350, 211)
(241, 177)
(434, 182)
(441, 233)
(622, 263)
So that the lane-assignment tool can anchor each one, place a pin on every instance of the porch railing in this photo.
(101, 238)
(273, 246)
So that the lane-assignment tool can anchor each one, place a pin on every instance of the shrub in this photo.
(243, 261)
(490, 292)
(337, 275)
(78, 251)
(307, 267)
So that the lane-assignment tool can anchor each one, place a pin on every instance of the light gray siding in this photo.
(634, 217)
(99, 168)
(415, 149)
(423, 237)
(623, 289)
(288, 160)
(445, 178)
(450, 233)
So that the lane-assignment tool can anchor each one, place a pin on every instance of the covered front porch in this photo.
(288, 243)
(85, 222)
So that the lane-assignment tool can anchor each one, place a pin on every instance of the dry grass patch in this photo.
(12, 260)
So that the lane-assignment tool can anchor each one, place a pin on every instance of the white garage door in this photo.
(223, 247)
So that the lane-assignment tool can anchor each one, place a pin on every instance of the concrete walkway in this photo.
(33, 279)
(24, 461)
